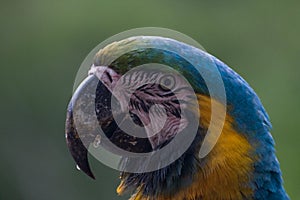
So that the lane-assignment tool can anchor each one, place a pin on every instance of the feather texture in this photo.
(243, 164)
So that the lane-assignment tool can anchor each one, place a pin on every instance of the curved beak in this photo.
(83, 120)
(89, 114)
(77, 149)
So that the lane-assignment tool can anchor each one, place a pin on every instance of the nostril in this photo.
(108, 76)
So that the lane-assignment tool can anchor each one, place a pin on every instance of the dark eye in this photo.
(167, 82)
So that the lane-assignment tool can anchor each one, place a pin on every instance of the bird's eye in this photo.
(167, 82)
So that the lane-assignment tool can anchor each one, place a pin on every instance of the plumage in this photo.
(242, 165)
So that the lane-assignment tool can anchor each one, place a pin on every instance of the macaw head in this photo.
(142, 106)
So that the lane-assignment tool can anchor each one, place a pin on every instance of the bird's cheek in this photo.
(166, 132)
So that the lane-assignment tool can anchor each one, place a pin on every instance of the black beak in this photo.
(77, 149)
(82, 120)
(90, 110)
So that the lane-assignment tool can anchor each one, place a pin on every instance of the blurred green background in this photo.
(44, 42)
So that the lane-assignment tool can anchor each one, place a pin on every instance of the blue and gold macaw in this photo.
(242, 164)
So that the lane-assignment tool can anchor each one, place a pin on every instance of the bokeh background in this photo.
(42, 44)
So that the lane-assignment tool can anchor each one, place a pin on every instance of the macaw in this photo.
(241, 165)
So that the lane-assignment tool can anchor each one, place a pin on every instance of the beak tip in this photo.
(86, 169)
(92, 176)
(89, 173)
(80, 156)
(76, 147)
